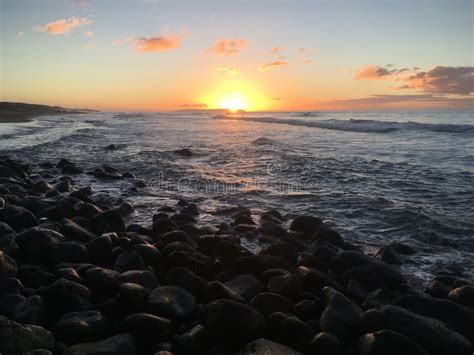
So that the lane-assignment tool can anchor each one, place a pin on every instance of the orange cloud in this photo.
(376, 72)
(276, 49)
(302, 56)
(89, 34)
(157, 44)
(63, 26)
(229, 70)
(228, 46)
(116, 42)
(271, 65)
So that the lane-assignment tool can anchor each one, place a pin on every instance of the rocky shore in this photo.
(77, 276)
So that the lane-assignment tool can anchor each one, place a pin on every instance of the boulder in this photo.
(247, 286)
(388, 342)
(8, 266)
(187, 279)
(32, 310)
(121, 344)
(82, 327)
(129, 260)
(194, 341)
(463, 295)
(103, 283)
(108, 221)
(145, 278)
(18, 218)
(148, 326)
(325, 343)
(217, 290)
(171, 302)
(267, 303)
(306, 224)
(263, 346)
(289, 330)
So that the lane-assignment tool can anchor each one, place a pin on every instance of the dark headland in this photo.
(77, 276)
(12, 112)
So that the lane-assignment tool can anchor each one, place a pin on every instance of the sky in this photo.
(148, 55)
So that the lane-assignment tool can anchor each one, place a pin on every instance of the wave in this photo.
(262, 141)
(361, 125)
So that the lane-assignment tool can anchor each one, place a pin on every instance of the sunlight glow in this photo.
(233, 103)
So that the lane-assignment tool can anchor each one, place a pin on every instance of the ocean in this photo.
(376, 177)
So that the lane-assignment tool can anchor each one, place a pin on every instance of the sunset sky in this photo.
(256, 55)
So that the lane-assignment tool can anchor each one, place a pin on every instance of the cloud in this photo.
(376, 102)
(228, 46)
(20, 34)
(229, 70)
(195, 106)
(438, 80)
(271, 65)
(88, 46)
(62, 26)
(442, 80)
(276, 49)
(116, 42)
(302, 56)
(157, 44)
(89, 34)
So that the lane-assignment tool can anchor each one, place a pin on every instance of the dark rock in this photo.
(429, 333)
(111, 147)
(387, 342)
(69, 251)
(41, 187)
(257, 264)
(191, 209)
(63, 186)
(437, 289)
(87, 210)
(247, 286)
(17, 217)
(129, 260)
(72, 230)
(150, 255)
(329, 236)
(389, 255)
(282, 250)
(100, 249)
(74, 327)
(122, 344)
(228, 252)
(17, 339)
(31, 310)
(271, 273)
(8, 304)
(286, 285)
(263, 346)
(325, 343)
(193, 341)
(163, 225)
(11, 285)
(267, 303)
(314, 281)
(147, 326)
(311, 262)
(463, 295)
(380, 297)
(182, 277)
(272, 229)
(38, 243)
(243, 219)
(356, 291)
(289, 330)
(5, 229)
(108, 221)
(178, 246)
(306, 224)
(171, 302)
(8, 266)
(144, 278)
(217, 290)
(198, 263)
(366, 277)
(340, 316)
(103, 283)
(184, 152)
(177, 236)
(308, 309)
(71, 169)
(233, 323)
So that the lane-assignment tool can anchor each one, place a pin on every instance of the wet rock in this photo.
(65, 296)
(271, 273)
(194, 341)
(178, 246)
(257, 264)
(184, 278)
(171, 302)
(463, 295)
(356, 291)
(8, 266)
(8, 303)
(38, 243)
(286, 285)
(150, 254)
(147, 326)
(191, 209)
(325, 343)
(184, 152)
(217, 290)
(340, 316)
(243, 219)
(198, 263)
(272, 229)
(247, 286)
(108, 221)
(74, 231)
(100, 249)
(324, 234)
(233, 323)
(69, 251)
(263, 346)
(314, 281)
(366, 277)
(41, 187)
(227, 252)
(289, 330)
(11, 285)
(306, 224)
(387, 342)
(110, 147)
(121, 344)
(380, 297)
(267, 303)
(177, 236)
(458, 317)
(163, 225)
(5, 229)
(16, 338)
(429, 333)
(389, 255)
(129, 260)
(103, 283)
(308, 309)
(17, 217)
(81, 327)
(63, 186)
(437, 289)
(32, 310)
(282, 250)
(71, 169)
(144, 278)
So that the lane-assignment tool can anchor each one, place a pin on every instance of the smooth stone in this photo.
(325, 343)
(433, 335)
(272, 229)
(8, 304)
(32, 310)
(308, 309)
(267, 303)
(247, 286)
(17, 339)
(197, 263)
(289, 330)
(324, 234)
(217, 290)
(463, 295)
(103, 283)
(306, 224)
(194, 341)
(315, 281)
(228, 252)
(82, 327)
(258, 264)
(171, 302)
(129, 260)
(100, 249)
(17, 217)
(148, 326)
(282, 250)
(184, 278)
(108, 221)
(286, 285)
(263, 346)
(76, 232)
(233, 323)
(121, 344)
(5, 229)
(8, 266)
(177, 236)
(388, 342)
(144, 278)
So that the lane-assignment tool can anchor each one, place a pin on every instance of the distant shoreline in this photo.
(17, 112)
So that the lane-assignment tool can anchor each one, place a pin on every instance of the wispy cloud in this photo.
(228, 47)
(88, 46)
(276, 49)
(271, 65)
(89, 34)
(20, 34)
(195, 106)
(157, 44)
(302, 56)
(376, 72)
(229, 70)
(63, 26)
(116, 42)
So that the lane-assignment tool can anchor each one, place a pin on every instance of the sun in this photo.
(233, 103)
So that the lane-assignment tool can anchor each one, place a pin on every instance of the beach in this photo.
(182, 245)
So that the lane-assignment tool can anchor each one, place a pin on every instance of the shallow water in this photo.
(376, 177)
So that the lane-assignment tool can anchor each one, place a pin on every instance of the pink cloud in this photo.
(63, 26)
(157, 44)
(302, 56)
(271, 65)
(116, 42)
(228, 46)
(229, 70)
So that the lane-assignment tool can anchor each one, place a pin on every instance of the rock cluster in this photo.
(77, 278)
